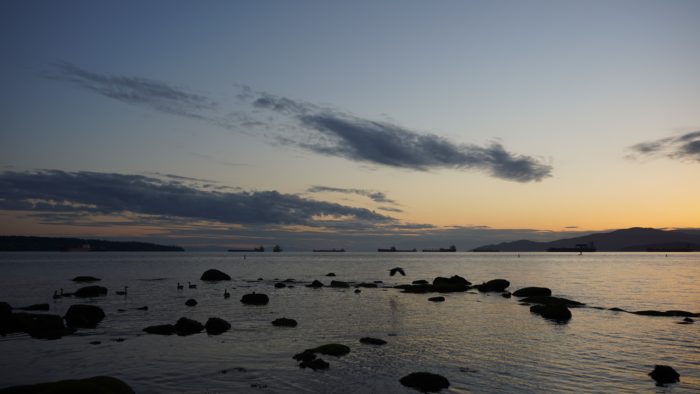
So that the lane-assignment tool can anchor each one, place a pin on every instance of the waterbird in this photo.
(55, 294)
(122, 292)
(226, 294)
(191, 286)
(179, 286)
(393, 271)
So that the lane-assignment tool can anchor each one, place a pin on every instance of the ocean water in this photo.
(481, 343)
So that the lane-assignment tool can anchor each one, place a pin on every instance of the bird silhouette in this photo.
(226, 294)
(179, 286)
(191, 286)
(122, 292)
(393, 271)
(56, 295)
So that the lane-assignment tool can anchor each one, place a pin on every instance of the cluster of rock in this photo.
(309, 359)
(48, 326)
(185, 326)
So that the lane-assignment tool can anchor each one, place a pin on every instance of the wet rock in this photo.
(91, 292)
(185, 326)
(255, 299)
(85, 279)
(280, 285)
(420, 282)
(667, 313)
(191, 302)
(162, 329)
(84, 316)
(532, 291)
(97, 384)
(216, 326)
(330, 274)
(664, 374)
(35, 307)
(339, 284)
(454, 283)
(315, 284)
(425, 381)
(556, 312)
(284, 322)
(372, 341)
(437, 299)
(506, 294)
(213, 275)
(547, 300)
(332, 349)
(493, 286)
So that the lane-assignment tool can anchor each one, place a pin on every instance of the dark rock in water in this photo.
(185, 326)
(213, 275)
(340, 284)
(163, 329)
(546, 300)
(84, 316)
(420, 282)
(315, 284)
(532, 291)
(557, 312)
(121, 310)
(284, 322)
(315, 364)
(118, 340)
(687, 320)
(664, 374)
(616, 309)
(5, 310)
(97, 384)
(85, 279)
(255, 299)
(425, 381)
(306, 355)
(35, 307)
(95, 342)
(332, 349)
(216, 326)
(358, 291)
(506, 294)
(378, 281)
(91, 292)
(367, 285)
(372, 341)
(494, 285)
(437, 299)
(415, 289)
(142, 308)
(280, 285)
(330, 274)
(453, 284)
(191, 302)
(36, 325)
(667, 313)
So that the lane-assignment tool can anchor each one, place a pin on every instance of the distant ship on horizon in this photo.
(393, 249)
(450, 249)
(334, 250)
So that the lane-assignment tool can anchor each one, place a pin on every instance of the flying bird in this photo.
(393, 271)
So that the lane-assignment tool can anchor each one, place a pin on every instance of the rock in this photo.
(315, 284)
(494, 285)
(213, 275)
(557, 312)
(378, 281)
(616, 309)
(284, 322)
(163, 329)
(84, 316)
(255, 299)
(332, 349)
(315, 364)
(142, 308)
(97, 384)
(5, 310)
(216, 326)
(367, 285)
(339, 284)
(425, 381)
(506, 294)
(454, 283)
(667, 313)
(290, 280)
(91, 292)
(306, 355)
(664, 374)
(372, 341)
(85, 279)
(330, 274)
(687, 320)
(420, 282)
(35, 307)
(280, 285)
(185, 326)
(95, 342)
(546, 300)
(415, 289)
(191, 302)
(358, 291)
(532, 291)
(437, 299)
(37, 325)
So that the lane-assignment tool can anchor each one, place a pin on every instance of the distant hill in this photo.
(627, 240)
(50, 244)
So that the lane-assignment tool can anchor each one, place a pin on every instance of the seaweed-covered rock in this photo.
(494, 285)
(255, 299)
(84, 316)
(315, 284)
(162, 329)
(85, 279)
(185, 326)
(216, 326)
(425, 381)
(532, 291)
(454, 283)
(284, 322)
(97, 384)
(557, 312)
(213, 275)
(664, 374)
(91, 292)
(339, 284)
(372, 341)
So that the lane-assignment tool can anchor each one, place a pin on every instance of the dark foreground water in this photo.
(481, 343)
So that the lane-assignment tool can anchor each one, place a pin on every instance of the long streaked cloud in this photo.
(105, 193)
(372, 195)
(682, 147)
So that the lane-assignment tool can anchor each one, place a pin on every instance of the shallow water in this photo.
(481, 343)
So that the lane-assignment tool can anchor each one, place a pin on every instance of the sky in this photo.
(364, 124)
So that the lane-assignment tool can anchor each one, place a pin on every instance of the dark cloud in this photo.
(683, 147)
(387, 144)
(139, 91)
(373, 195)
(102, 193)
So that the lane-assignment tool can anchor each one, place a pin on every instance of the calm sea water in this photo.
(481, 343)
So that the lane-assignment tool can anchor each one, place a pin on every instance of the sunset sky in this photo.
(357, 124)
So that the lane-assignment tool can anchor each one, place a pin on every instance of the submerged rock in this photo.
(91, 292)
(556, 312)
(687, 320)
(315, 364)
(454, 283)
(280, 285)
(213, 275)
(330, 274)
(372, 341)
(664, 374)
(284, 322)
(84, 316)
(339, 284)
(437, 299)
(494, 285)
(85, 279)
(547, 300)
(97, 384)
(425, 381)
(255, 299)
(532, 291)
(191, 302)
(332, 349)
(162, 329)
(315, 284)
(185, 326)
(667, 313)
(216, 326)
